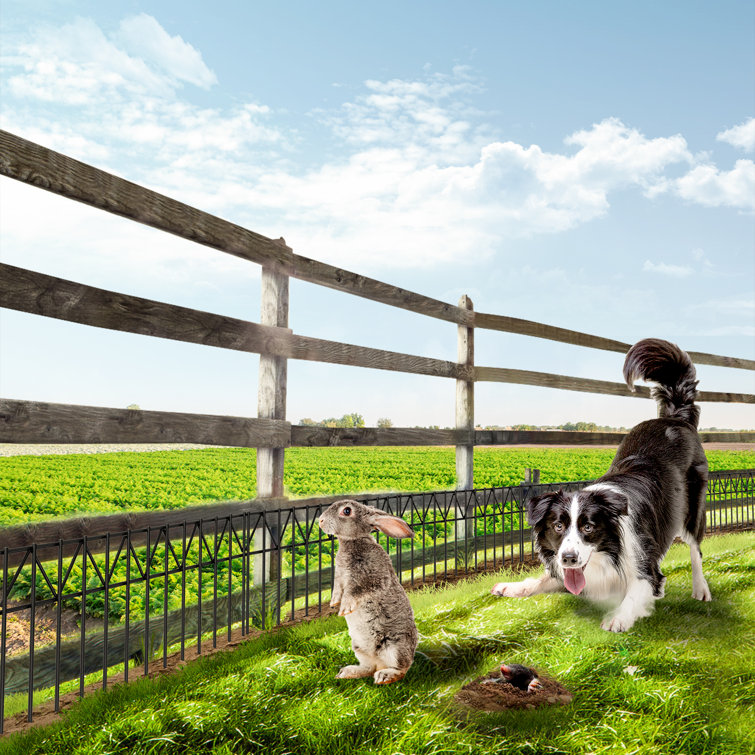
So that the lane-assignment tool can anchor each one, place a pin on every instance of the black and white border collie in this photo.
(608, 540)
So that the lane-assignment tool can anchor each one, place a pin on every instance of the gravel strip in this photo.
(42, 449)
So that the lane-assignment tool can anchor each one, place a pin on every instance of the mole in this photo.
(519, 676)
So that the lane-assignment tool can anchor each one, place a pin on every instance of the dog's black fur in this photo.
(626, 521)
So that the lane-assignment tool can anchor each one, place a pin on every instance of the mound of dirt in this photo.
(492, 698)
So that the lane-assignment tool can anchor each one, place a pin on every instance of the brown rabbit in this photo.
(378, 613)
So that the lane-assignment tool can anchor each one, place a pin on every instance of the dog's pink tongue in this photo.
(574, 580)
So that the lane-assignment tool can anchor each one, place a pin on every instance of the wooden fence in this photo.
(270, 432)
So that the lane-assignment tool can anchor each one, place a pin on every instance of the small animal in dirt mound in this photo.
(378, 613)
(512, 688)
(521, 677)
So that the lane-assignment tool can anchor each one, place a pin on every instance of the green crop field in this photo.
(38, 488)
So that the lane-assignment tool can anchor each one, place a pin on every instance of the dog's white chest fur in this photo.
(603, 583)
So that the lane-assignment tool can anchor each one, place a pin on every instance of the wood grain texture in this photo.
(588, 385)
(336, 278)
(699, 357)
(730, 437)
(465, 401)
(49, 535)
(376, 436)
(272, 383)
(46, 295)
(38, 422)
(52, 171)
(549, 332)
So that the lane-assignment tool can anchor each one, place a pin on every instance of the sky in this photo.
(587, 165)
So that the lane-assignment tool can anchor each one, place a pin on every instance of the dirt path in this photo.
(44, 449)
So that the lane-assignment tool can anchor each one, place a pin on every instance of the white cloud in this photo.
(676, 271)
(419, 176)
(144, 36)
(709, 186)
(742, 136)
(400, 202)
(78, 64)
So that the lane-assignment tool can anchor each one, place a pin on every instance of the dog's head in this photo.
(569, 527)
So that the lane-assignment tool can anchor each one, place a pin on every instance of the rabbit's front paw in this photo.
(348, 605)
(389, 675)
(355, 672)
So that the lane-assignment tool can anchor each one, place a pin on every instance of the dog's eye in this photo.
(558, 526)
(346, 510)
(587, 528)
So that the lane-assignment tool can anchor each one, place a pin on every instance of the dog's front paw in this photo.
(513, 589)
(618, 623)
(702, 592)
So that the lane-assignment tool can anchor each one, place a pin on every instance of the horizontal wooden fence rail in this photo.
(38, 422)
(36, 165)
(589, 385)
(46, 295)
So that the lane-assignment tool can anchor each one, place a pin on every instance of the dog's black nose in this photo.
(569, 559)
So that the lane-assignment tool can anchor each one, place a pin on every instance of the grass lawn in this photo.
(693, 690)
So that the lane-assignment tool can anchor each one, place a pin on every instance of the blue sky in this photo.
(587, 165)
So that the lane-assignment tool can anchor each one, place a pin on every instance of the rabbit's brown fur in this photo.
(378, 613)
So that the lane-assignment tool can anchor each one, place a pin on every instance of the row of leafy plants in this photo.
(38, 488)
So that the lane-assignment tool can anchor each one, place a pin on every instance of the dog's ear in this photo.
(538, 506)
(612, 500)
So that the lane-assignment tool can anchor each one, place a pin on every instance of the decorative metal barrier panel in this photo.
(81, 612)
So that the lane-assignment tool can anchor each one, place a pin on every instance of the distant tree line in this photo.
(589, 427)
(348, 420)
(357, 420)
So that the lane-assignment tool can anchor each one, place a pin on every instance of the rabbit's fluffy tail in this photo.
(672, 370)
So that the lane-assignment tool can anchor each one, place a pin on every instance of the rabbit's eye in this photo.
(346, 510)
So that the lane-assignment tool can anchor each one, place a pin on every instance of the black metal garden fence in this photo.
(144, 594)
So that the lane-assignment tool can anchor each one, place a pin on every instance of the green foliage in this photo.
(38, 488)
(34, 488)
(692, 691)
(348, 420)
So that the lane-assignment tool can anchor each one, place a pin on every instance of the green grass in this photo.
(694, 691)
(39, 488)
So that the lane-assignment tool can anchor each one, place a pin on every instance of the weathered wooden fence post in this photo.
(271, 404)
(465, 422)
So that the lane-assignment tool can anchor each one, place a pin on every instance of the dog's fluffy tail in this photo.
(672, 370)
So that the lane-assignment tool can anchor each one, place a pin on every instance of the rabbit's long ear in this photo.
(393, 526)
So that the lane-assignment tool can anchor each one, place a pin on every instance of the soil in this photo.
(494, 698)
(18, 627)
